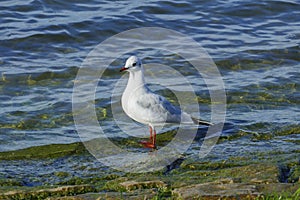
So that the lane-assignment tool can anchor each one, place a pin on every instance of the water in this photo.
(43, 43)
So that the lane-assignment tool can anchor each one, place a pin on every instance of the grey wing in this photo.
(173, 113)
(159, 109)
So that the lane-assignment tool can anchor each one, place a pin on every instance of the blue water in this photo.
(255, 45)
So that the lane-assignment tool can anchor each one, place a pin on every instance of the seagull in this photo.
(146, 107)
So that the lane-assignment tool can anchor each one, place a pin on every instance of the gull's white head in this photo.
(133, 63)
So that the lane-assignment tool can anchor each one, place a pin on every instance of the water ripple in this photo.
(43, 43)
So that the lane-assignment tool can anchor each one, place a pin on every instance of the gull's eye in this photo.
(134, 64)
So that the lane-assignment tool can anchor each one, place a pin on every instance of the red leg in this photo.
(151, 131)
(152, 143)
(154, 138)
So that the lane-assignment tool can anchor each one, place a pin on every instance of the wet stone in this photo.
(213, 190)
(43, 193)
(133, 185)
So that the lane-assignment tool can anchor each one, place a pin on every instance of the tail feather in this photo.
(201, 122)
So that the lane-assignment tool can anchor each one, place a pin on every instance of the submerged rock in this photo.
(44, 193)
(133, 185)
(217, 191)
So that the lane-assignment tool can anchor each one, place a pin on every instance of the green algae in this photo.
(62, 174)
(287, 192)
(238, 174)
(10, 182)
(41, 152)
(133, 142)
(99, 182)
(260, 169)
(262, 174)
(294, 175)
(114, 185)
(47, 192)
(288, 130)
(38, 122)
(260, 136)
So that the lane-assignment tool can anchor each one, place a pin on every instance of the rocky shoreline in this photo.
(122, 188)
(70, 172)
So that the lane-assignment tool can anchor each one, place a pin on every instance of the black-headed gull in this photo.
(146, 107)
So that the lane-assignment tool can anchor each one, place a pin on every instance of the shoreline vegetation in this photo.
(261, 175)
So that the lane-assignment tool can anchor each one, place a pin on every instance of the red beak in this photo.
(123, 69)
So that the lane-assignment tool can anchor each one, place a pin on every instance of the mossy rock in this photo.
(10, 182)
(49, 192)
(133, 185)
(294, 176)
(62, 174)
(41, 152)
(293, 129)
